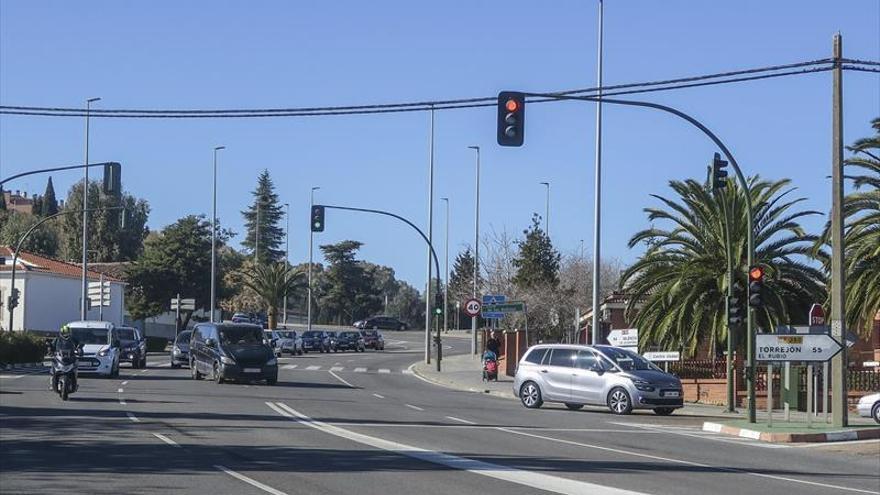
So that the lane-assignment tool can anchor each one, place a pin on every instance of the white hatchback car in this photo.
(100, 347)
(869, 406)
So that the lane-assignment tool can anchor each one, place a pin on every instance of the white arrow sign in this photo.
(625, 337)
(662, 357)
(771, 347)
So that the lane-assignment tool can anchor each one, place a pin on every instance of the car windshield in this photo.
(241, 335)
(286, 335)
(126, 334)
(183, 338)
(90, 336)
(349, 335)
(311, 335)
(627, 360)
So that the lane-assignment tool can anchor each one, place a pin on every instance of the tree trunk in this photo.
(273, 318)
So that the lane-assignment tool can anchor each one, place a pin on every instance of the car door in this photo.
(586, 383)
(556, 371)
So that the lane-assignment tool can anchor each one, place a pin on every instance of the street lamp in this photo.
(446, 274)
(85, 241)
(214, 237)
(286, 252)
(476, 249)
(547, 209)
(311, 237)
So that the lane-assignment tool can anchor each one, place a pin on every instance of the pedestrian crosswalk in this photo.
(338, 369)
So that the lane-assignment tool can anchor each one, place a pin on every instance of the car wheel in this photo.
(530, 395)
(218, 377)
(619, 401)
(194, 370)
(174, 365)
(875, 412)
(574, 407)
(664, 411)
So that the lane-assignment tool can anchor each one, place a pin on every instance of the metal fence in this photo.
(865, 380)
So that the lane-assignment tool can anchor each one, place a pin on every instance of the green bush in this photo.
(156, 344)
(20, 347)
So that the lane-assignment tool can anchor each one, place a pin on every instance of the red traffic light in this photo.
(511, 105)
(756, 273)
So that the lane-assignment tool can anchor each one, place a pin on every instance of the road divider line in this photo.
(540, 481)
(290, 366)
(122, 402)
(688, 463)
(360, 370)
(133, 417)
(453, 418)
(166, 440)
(119, 390)
(417, 408)
(384, 370)
(249, 481)
(124, 383)
(378, 396)
(337, 368)
(341, 379)
(313, 368)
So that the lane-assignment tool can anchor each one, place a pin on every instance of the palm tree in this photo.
(680, 283)
(861, 208)
(272, 282)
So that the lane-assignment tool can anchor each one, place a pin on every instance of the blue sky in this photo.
(228, 54)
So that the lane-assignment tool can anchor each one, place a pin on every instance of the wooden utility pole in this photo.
(838, 276)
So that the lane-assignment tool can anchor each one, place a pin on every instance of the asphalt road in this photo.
(360, 424)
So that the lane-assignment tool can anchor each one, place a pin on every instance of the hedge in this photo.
(156, 344)
(20, 347)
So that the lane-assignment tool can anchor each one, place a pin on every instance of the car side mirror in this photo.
(598, 369)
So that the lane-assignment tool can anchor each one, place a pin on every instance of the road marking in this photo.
(453, 418)
(133, 417)
(11, 377)
(119, 390)
(341, 379)
(124, 383)
(360, 370)
(290, 366)
(313, 368)
(122, 402)
(337, 368)
(384, 370)
(406, 372)
(688, 463)
(378, 396)
(250, 481)
(417, 408)
(166, 440)
(531, 479)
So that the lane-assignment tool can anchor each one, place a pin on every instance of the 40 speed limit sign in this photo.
(472, 307)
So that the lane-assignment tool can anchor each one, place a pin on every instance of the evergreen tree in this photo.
(262, 221)
(350, 292)
(537, 263)
(2, 200)
(49, 203)
(461, 282)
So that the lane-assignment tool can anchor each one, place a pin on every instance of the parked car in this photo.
(576, 375)
(316, 340)
(272, 340)
(381, 323)
(231, 351)
(373, 339)
(869, 406)
(289, 342)
(241, 318)
(132, 347)
(100, 347)
(349, 341)
(180, 349)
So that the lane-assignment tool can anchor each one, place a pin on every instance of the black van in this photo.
(231, 351)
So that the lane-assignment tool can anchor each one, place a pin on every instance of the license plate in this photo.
(86, 364)
(252, 370)
(671, 394)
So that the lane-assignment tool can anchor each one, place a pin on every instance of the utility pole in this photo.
(597, 210)
(428, 310)
(446, 274)
(547, 210)
(101, 297)
(476, 251)
(311, 242)
(213, 239)
(838, 276)
(286, 251)
(84, 310)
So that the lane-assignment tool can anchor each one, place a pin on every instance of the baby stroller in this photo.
(490, 366)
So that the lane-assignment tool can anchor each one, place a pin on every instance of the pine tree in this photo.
(50, 204)
(264, 218)
(461, 278)
(537, 263)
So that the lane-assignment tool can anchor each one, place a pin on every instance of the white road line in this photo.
(378, 396)
(360, 370)
(384, 370)
(531, 479)
(119, 390)
(290, 366)
(313, 368)
(250, 481)
(406, 372)
(133, 417)
(453, 418)
(341, 379)
(166, 439)
(124, 383)
(11, 377)
(417, 408)
(688, 463)
(122, 402)
(337, 368)
(705, 435)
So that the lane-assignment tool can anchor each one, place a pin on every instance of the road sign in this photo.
(494, 299)
(817, 315)
(472, 307)
(662, 357)
(625, 337)
(99, 294)
(501, 309)
(185, 304)
(800, 347)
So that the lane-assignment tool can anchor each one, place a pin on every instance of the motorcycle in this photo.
(64, 371)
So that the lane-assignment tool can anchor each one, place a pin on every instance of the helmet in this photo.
(65, 331)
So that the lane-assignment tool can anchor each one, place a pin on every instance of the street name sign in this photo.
(799, 347)
(663, 356)
(628, 338)
(472, 307)
(500, 309)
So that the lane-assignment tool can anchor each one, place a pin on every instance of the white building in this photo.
(49, 293)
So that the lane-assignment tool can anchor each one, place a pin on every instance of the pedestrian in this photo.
(493, 344)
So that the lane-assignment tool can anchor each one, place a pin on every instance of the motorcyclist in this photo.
(66, 344)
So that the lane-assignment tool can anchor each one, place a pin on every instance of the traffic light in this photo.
(113, 178)
(756, 286)
(438, 311)
(735, 307)
(719, 175)
(511, 118)
(317, 218)
(12, 301)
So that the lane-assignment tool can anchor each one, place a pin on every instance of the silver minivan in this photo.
(578, 375)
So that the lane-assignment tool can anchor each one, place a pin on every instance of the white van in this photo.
(100, 347)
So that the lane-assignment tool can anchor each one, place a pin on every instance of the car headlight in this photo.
(272, 362)
(227, 360)
(176, 350)
(103, 352)
(642, 385)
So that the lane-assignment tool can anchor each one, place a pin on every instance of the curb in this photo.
(415, 371)
(764, 436)
(22, 366)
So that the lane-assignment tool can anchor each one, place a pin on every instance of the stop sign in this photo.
(817, 315)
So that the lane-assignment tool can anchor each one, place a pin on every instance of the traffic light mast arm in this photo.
(743, 182)
(28, 233)
(55, 169)
(404, 220)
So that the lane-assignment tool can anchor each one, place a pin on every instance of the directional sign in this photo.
(494, 299)
(472, 307)
(661, 357)
(802, 347)
(817, 315)
(185, 304)
(624, 337)
(491, 310)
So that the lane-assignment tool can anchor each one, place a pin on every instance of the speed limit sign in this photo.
(472, 307)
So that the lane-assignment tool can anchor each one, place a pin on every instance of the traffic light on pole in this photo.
(511, 118)
(719, 175)
(735, 307)
(756, 286)
(12, 301)
(317, 220)
(113, 178)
